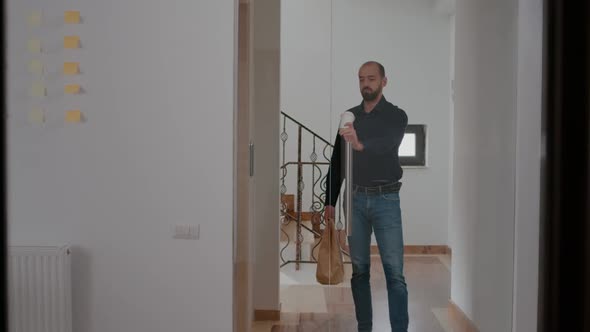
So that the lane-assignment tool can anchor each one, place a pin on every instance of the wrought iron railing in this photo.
(316, 192)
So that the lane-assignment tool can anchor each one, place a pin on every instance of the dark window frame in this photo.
(420, 158)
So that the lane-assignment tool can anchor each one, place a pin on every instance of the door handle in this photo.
(251, 148)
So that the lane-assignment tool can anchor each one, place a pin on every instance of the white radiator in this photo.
(40, 293)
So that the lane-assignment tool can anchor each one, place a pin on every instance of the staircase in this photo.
(309, 220)
(301, 229)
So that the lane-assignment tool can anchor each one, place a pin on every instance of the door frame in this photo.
(242, 313)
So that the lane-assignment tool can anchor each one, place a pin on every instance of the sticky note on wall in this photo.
(36, 67)
(72, 89)
(71, 68)
(72, 17)
(36, 116)
(73, 116)
(71, 42)
(34, 19)
(38, 89)
(34, 45)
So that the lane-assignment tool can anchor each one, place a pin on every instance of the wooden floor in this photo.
(310, 307)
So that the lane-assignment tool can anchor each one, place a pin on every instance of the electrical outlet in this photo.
(195, 231)
(186, 232)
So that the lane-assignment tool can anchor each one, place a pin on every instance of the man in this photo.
(375, 136)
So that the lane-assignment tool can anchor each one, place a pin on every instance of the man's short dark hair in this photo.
(380, 66)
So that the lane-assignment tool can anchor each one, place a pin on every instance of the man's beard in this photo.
(370, 96)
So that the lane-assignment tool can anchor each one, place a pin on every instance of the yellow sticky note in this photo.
(34, 46)
(34, 19)
(36, 67)
(73, 116)
(36, 116)
(38, 89)
(72, 89)
(72, 17)
(71, 68)
(71, 42)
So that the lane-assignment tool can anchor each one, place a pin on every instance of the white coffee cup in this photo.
(345, 118)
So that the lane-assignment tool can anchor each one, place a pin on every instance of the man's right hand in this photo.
(329, 212)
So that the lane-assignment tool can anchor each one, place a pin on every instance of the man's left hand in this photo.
(349, 135)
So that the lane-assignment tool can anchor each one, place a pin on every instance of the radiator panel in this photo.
(40, 296)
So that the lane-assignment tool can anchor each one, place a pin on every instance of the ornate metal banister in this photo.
(304, 127)
(317, 192)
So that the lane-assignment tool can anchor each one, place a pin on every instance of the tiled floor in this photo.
(310, 307)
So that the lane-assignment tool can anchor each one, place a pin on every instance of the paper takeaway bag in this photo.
(330, 267)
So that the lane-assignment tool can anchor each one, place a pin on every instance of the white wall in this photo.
(528, 161)
(450, 226)
(324, 43)
(155, 151)
(484, 161)
(305, 92)
(306, 84)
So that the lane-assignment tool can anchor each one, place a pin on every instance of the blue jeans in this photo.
(382, 213)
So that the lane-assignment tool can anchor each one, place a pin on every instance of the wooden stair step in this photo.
(289, 200)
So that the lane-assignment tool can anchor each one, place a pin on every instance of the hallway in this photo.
(310, 307)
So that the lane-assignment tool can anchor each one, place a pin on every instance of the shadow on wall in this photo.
(81, 292)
